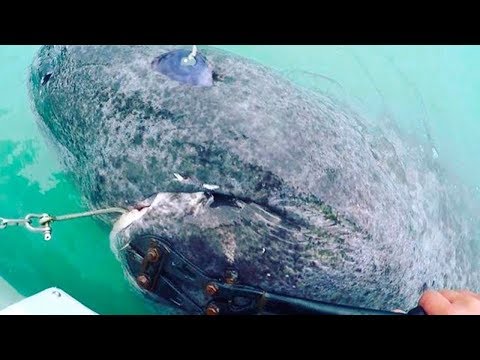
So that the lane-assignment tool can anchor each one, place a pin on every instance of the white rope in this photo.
(190, 59)
(193, 54)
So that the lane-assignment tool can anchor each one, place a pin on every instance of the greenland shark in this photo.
(236, 166)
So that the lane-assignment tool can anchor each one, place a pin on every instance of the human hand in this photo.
(448, 302)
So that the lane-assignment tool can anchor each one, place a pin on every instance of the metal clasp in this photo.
(43, 227)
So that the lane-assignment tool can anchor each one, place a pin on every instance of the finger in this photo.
(470, 293)
(435, 303)
(451, 295)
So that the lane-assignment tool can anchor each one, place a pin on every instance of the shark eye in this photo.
(46, 78)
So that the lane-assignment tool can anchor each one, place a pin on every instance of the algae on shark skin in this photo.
(329, 214)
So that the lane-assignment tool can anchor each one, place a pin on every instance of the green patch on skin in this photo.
(329, 214)
(319, 232)
(153, 161)
(326, 253)
(151, 142)
(138, 139)
(327, 210)
(133, 171)
(346, 256)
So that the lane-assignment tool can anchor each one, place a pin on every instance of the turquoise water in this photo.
(431, 91)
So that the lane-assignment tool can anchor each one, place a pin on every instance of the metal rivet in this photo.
(211, 289)
(153, 255)
(143, 281)
(212, 309)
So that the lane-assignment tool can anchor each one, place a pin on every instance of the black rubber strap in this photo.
(174, 274)
(288, 305)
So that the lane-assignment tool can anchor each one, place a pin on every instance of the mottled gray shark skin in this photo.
(303, 196)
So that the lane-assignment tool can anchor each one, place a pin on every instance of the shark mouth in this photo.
(169, 202)
(136, 213)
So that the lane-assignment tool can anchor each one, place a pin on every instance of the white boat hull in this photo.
(51, 301)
